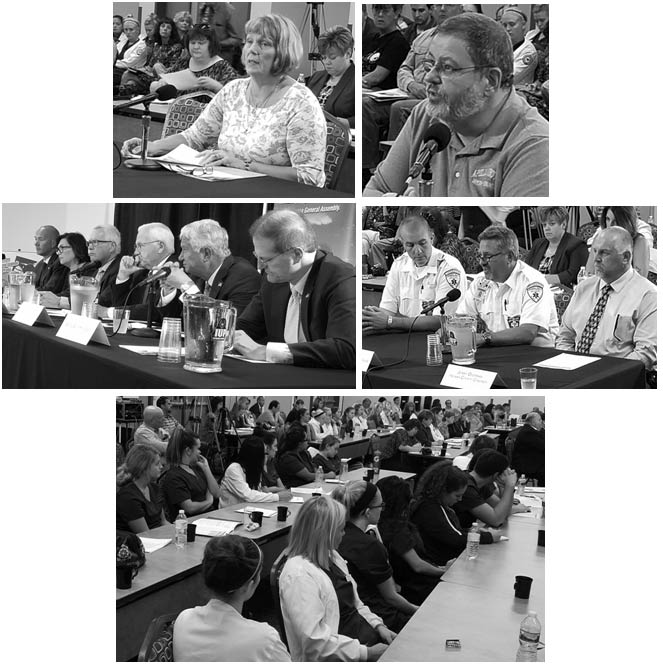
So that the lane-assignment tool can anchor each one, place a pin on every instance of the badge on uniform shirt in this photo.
(453, 278)
(374, 57)
(535, 291)
(527, 59)
(513, 321)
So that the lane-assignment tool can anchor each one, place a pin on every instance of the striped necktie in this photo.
(592, 325)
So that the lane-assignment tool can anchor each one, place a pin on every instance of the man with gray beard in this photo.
(499, 144)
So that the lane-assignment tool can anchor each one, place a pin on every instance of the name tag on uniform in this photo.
(30, 313)
(82, 330)
(458, 376)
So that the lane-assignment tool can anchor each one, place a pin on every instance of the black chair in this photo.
(274, 575)
(157, 646)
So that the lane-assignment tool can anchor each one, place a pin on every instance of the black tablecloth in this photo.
(505, 360)
(33, 357)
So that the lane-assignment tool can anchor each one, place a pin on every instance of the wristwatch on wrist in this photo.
(390, 320)
(487, 338)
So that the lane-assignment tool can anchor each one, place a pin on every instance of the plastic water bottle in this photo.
(301, 79)
(582, 275)
(473, 538)
(530, 632)
(522, 482)
(180, 529)
(376, 464)
(427, 297)
(319, 477)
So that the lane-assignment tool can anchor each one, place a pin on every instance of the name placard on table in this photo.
(30, 313)
(82, 330)
(461, 376)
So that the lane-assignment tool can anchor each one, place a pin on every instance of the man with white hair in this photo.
(104, 248)
(205, 255)
(151, 431)
(154, 247)
(612, 313)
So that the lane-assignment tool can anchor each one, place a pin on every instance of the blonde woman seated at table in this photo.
(240, 415)
(242, 480)
(217, 631)
(138, 500)
(327, 455)
(202, 59)
(324, 617)
(266, 123)
(367, 558)
(72, 253)
(359, 421)
(335, 85)
(188, 484)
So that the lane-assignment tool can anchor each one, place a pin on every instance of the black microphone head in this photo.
(439, 133)
(166, 92)
(453, 295)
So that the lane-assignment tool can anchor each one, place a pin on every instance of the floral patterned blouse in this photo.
(292, 132)
(166, 54)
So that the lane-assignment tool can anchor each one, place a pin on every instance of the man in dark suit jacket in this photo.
(205, 255)
(304, 313)
(104, 248)
(50, 274)
(155, 245)
(529, 450)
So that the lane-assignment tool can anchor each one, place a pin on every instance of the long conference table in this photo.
(475, 603)
(33, 357)
(506, 361)
(170, 580)
(164, 184)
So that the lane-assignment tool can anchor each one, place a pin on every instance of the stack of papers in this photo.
(184, 159)
(154, 544)
(208, 526)
(566, 361)
(393, 94)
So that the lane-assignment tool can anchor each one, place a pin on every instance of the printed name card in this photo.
(365, 359)
(458, 376)
(82, 330)
(30, 313)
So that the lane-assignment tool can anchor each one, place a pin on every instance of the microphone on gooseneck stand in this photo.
(85, 267)
(151, 295)
(451, 296)
(435, 139)
(142, 163)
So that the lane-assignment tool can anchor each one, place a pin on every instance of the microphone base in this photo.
(142, 164)
(145, 332)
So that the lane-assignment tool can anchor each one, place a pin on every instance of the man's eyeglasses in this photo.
(263, 262)
(140, 245)
(485, 258)
(446, 70)
(61, 249)
(94, 243)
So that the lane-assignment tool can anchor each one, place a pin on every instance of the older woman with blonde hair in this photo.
(334, 86)
(323, 615)
(266, 123)
(138, 501)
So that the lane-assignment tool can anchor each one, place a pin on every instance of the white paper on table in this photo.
(208, 526)
(182, 80)
(184, 156)
(60, 313)
(154, 544)
(308, 490)
(530, 502)
(566, 361)
(365, 359)
(297, 499)
(385, 95)
(237, 356)
(144, 350)
(461, 376)
(250, 509)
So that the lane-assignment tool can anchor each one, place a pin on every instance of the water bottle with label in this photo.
(319, 478)
(530, 632)
(427, 297)
(180, 529)
(522, 482)
(376, 464)
(473, 538)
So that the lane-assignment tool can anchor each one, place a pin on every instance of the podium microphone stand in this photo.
(149, 331)
(142, 163)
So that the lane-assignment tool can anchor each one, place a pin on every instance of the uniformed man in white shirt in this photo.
(513, 301)
(612, 313)
(420, 277)
(525, 57)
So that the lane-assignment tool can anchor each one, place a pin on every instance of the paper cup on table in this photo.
(170, 342)
(121, 320)
(528, 377)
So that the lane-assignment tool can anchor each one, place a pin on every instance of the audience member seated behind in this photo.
(217, 632)
(413, 572)
(240, 415)
(132, 54)
(627, 327)
(293, 463)
(381, 62)
(151, 431)
(559, 255)
(529, 450)
(479, 502)
(202, 59)
(492, 165)
(188, 484)
(334, 86)
(73, 255)
(183, 23)
(324, 617)
(327, 456)
(242, 479)
(138, 500)
(265, 123)
(270, 477)
(481, 442)
(441, 486)
(50, 274)
(626, 218)
(367, 558)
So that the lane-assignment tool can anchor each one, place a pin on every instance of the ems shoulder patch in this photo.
(535, 291)
(452, 277)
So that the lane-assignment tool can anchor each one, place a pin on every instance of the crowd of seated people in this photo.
(592, 293)
(514, 92)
